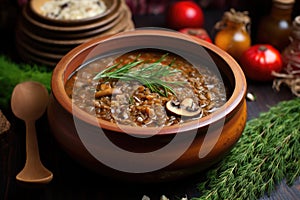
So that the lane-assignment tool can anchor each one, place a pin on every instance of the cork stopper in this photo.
(237, 16)
(296, 28)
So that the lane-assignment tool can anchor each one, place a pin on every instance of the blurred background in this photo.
(10, 9)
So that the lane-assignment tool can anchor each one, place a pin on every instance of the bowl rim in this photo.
(33, 5)
(231, 105)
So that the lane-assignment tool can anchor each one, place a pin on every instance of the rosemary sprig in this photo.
(267, 153)
(148, 74)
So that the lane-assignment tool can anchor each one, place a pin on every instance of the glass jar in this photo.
(291, 54)
(233, 33)
(275, 28)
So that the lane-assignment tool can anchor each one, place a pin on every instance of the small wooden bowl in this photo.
(44, 39)
(34, 59)
(46, 44)
(141, 156)
(72, 33)
(51, 48)
(36, 22)
(35, 7)
(43, 54)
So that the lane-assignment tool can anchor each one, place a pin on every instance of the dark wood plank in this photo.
(285, 192)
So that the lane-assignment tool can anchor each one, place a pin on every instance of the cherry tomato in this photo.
(197, 32)
(259, 61)
(184, 14)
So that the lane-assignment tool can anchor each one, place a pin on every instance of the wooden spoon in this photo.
(29, 101)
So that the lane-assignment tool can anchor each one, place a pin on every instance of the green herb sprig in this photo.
(149, 74)
(267, 153)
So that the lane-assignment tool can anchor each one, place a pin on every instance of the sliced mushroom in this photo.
(186, 108)
(108, 92)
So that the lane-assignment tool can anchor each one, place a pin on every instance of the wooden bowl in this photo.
(35, 7)
(33, 59)
(137, 154)
(118, 27)
(46, 44)
(73, 33)
(51, 28)
(43, 54)
(51, 48)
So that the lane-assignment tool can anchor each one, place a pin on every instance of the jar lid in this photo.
(284, 4)
(285, 1)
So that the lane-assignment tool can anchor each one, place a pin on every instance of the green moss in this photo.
(12, 73)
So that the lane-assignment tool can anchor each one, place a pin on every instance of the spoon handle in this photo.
(32, 149)
(34, 170)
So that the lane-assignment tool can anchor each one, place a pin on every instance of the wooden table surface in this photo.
(73, 181)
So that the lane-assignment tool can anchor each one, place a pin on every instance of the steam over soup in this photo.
(149, 88)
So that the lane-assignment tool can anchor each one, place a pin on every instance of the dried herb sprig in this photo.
(267, 153)
(148, 74)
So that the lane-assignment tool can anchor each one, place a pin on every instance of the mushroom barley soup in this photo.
(147, 88)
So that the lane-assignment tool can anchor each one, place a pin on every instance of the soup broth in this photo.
(148, 88)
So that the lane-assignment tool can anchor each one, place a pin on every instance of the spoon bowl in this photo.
(29, 101)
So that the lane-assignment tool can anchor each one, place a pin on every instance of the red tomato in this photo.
(197, 32)
(184, 14)
(259, 61)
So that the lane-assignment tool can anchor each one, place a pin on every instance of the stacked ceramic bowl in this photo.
(43, 39)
